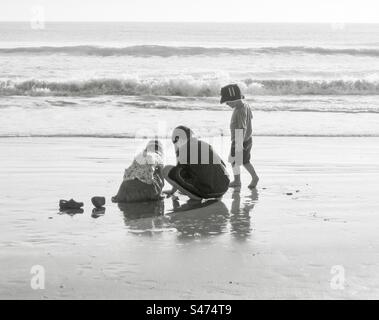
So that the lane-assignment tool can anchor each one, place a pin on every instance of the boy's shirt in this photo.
(242, 119)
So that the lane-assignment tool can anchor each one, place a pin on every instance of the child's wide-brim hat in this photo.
(231, 92)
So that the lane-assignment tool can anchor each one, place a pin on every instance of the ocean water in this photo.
(128, 79)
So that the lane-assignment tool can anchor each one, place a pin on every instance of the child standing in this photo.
(241, 134)
(143, 179)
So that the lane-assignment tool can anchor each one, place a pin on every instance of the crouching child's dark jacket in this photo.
(200, 170)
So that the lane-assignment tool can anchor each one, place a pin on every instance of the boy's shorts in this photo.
(247, 145)
(246, 153)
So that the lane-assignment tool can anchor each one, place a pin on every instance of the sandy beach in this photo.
(315, 208)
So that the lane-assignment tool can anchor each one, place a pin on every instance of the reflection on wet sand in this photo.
(141, 210)
(146, 218)
(192, 219)
(71, 212)
(98, 212)
(240, 220)
(199, 219)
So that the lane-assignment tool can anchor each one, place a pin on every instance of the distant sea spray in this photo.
(169, 51)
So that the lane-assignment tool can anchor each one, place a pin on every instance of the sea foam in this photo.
(185, 87)
(169, 51)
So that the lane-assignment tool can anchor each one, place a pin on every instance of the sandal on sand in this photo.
(71, 204)
(98, 202)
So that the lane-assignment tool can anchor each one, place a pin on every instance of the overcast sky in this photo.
(194, 10)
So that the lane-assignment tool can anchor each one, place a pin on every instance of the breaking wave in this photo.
(168, 51)
(185, 87)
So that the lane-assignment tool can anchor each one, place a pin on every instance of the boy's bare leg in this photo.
(237, 177)
(254, 177)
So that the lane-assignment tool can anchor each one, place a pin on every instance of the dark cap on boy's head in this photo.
(231, 92)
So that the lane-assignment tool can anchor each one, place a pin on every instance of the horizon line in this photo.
(191, 21)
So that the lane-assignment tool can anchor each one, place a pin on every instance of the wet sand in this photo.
(316, 207)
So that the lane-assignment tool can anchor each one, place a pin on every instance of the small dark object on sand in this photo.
(98, 202)
(71, 204)
(289, 193)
